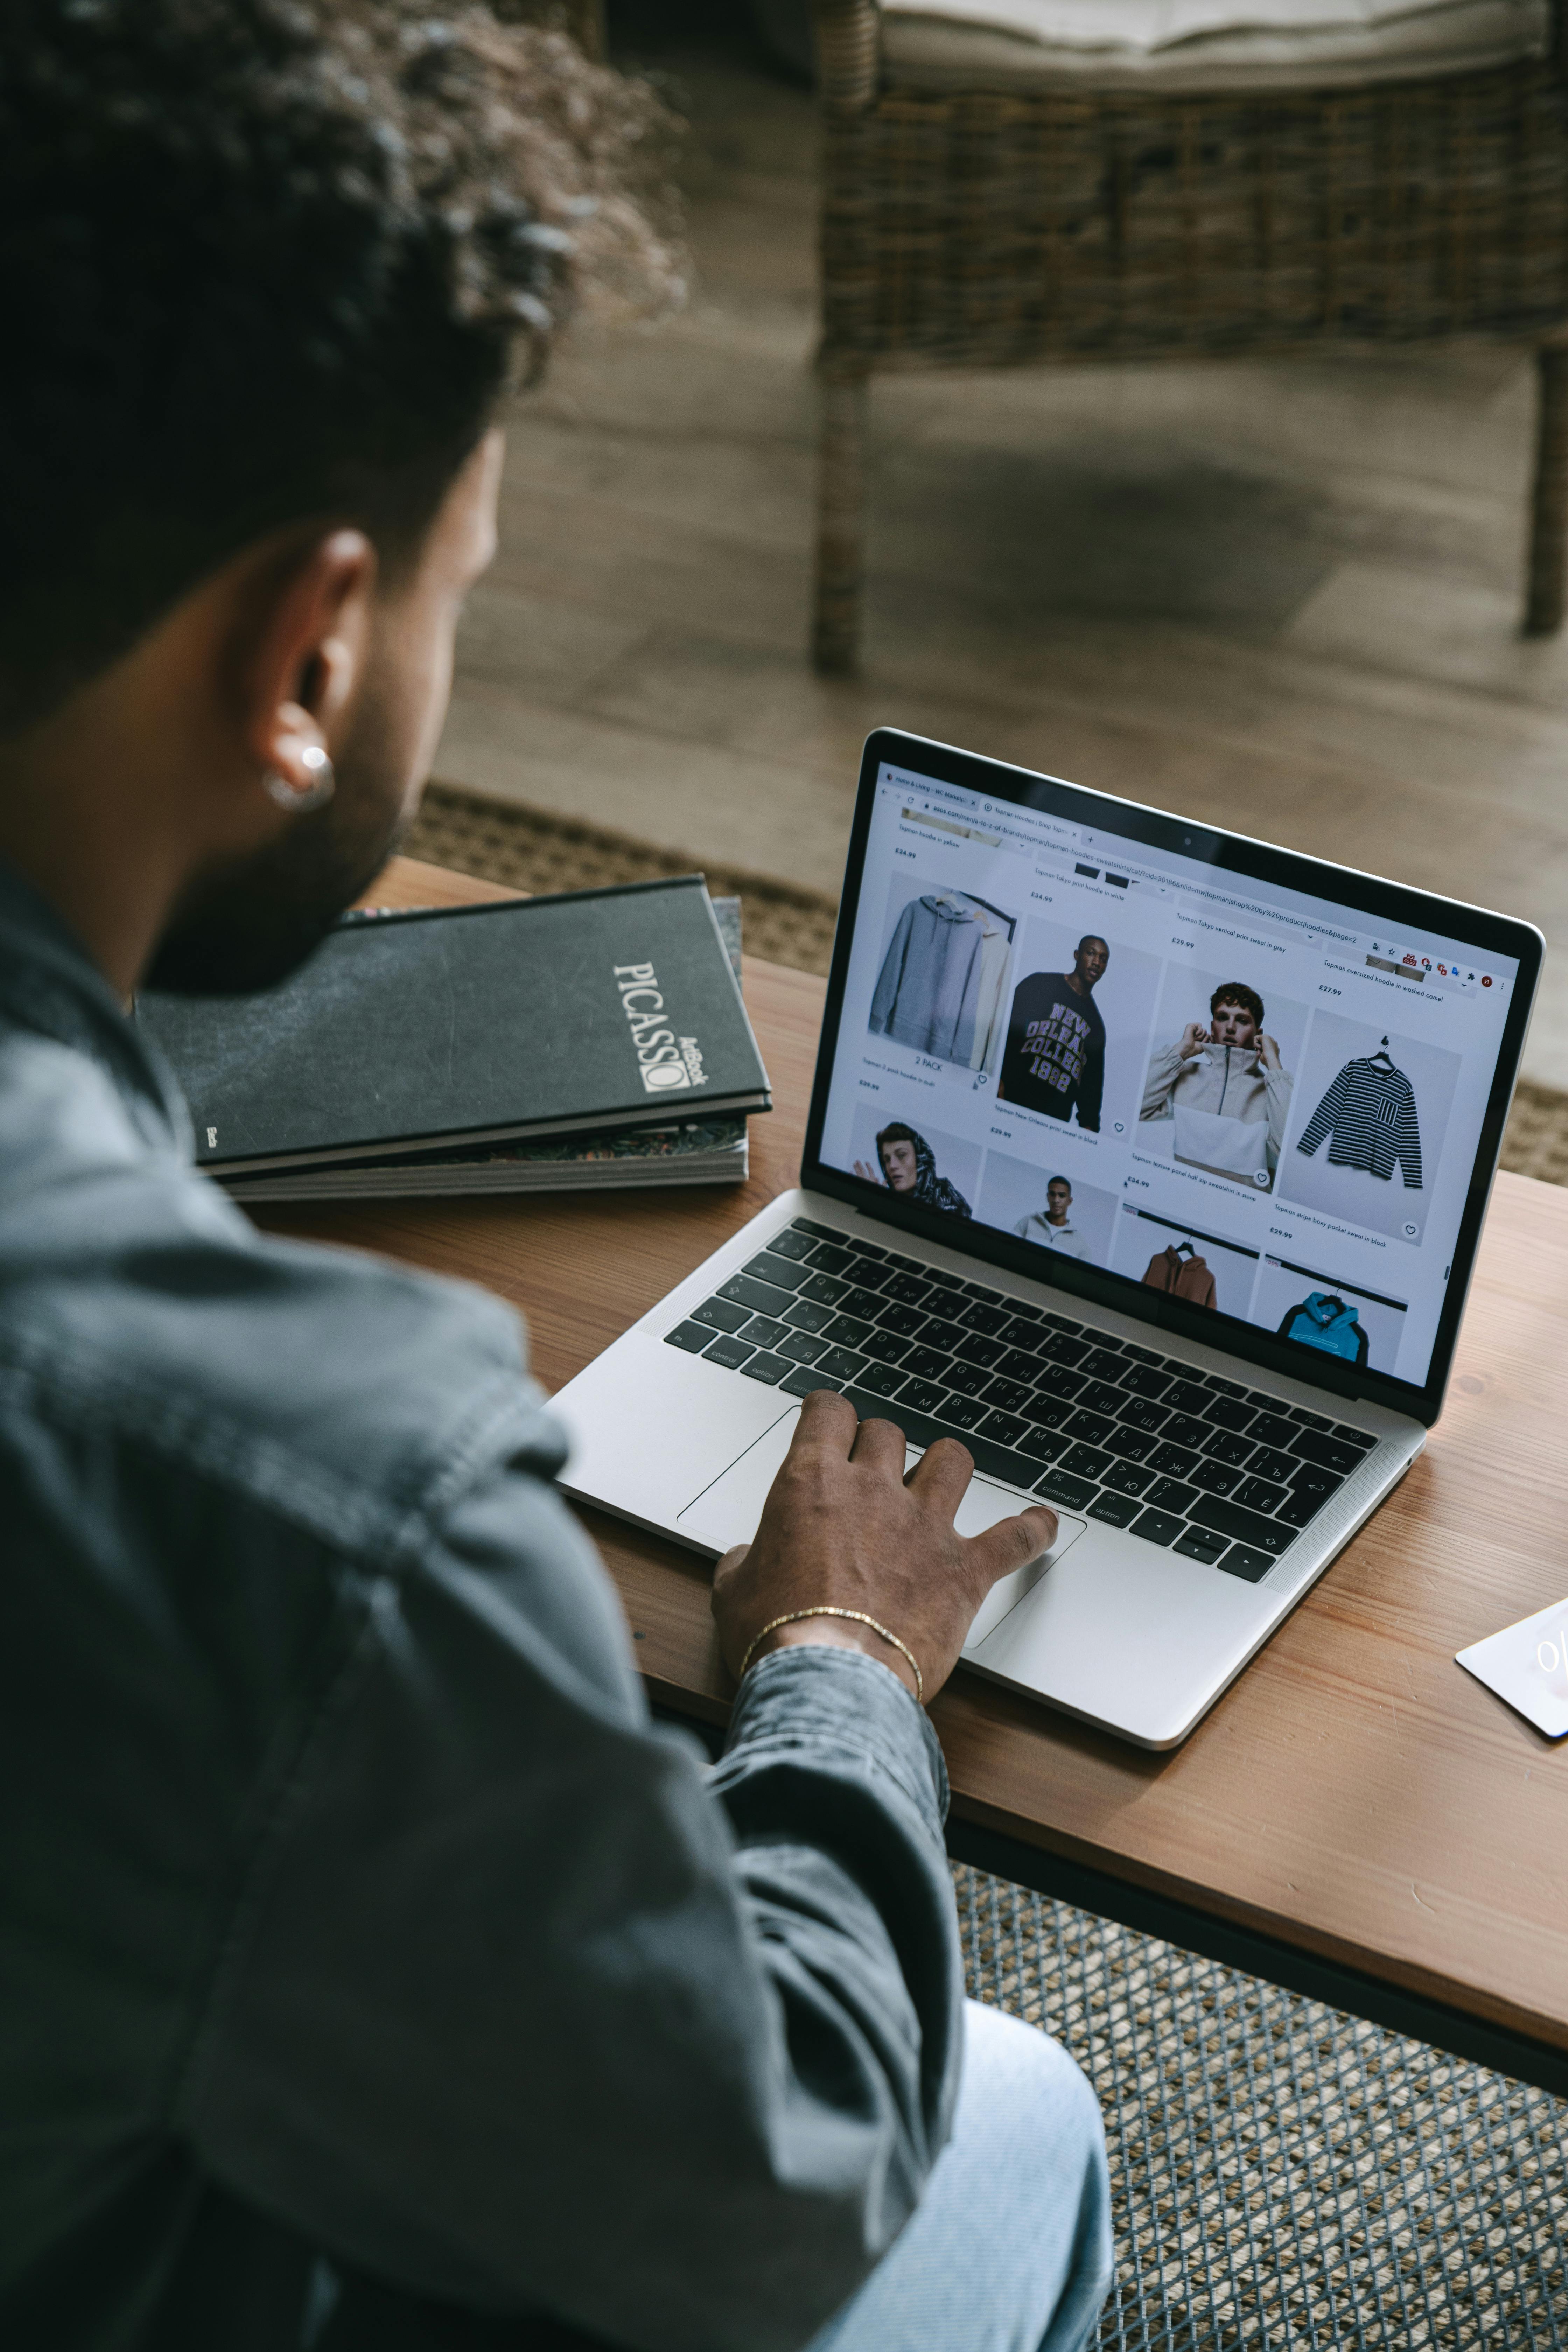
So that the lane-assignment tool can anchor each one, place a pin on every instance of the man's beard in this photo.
(247, 926)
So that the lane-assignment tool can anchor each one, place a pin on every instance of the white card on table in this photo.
(1527, 1664)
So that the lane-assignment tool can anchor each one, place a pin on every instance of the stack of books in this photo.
(592, 1040)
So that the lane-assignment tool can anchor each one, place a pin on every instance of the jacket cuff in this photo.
(844, 1711)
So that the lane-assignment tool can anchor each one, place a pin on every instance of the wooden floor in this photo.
(1283, 597)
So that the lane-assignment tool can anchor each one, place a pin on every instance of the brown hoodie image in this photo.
(1184, 1277)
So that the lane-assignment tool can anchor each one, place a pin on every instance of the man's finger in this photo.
(1012, 1543)
(942, 1475)
(879, 1445)
(826, 1419)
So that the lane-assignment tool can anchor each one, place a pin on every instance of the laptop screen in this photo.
(1084, 1027)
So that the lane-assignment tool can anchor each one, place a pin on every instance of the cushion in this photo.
(1204, 45)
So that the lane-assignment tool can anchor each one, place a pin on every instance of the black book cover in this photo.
(531, 1017)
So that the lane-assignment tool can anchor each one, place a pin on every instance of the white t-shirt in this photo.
(1066, 1240)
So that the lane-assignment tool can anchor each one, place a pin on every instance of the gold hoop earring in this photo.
(301, 799)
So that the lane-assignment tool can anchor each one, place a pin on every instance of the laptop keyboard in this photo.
(1217, 1471)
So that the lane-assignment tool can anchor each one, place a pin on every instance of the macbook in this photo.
(1148, 1161)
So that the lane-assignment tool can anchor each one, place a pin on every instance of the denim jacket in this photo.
(356, 1924)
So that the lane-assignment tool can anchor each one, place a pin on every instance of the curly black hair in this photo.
(264, 261)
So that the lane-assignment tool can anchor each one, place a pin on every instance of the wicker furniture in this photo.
(968, 226)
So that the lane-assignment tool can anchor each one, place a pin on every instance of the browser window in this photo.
(1252, 1099)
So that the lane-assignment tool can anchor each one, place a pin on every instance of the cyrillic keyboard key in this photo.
(1061, 1350)
(1260, 1494)
(1017, 1365)
(1246, 1527)
(1226, 1445)
(887, 1348)
(1116, 1510)
(764, 1331)
(1008, 1396)
(1127, 1478)
(778, 1270)
(1142, 1412)
(1327, 1453)
(962, 1412)
(1046, 1444)
(882, 1379)
(1157, 1527)
(1217, 1478)
(903, 1320)
(847, 1331)
(1227, 1412)
(1087, 1462)
(975, 1349)
(908, 1288)
(722, 1314)
(1060, 1487)
(831, 1259)
(769, 1368)
(924, 1396)
(789, 1244)
(761, 1297)
(1184, 1395)
(803, 1349)
(1199, 1544)
(1144, 1382)
(1102, 1363)
(965, 1380)
(1046, 1412)
(860, 1301)
(1099, 1396)
(1093, 1426)
(804, 1316)
(1174, 1461)
(1173, 1494)
(841, 1364)
(1267, 1464)
(940, 1333)
(692, 1336)
(1182, 1429)
(923, 1363)
(1132, 1444)
(730, 1353)
(1020, 1334)
(827, 1289)
(1242, 1561)
(1004, 1427)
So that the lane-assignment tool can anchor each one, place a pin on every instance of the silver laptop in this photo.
(1148, 1161)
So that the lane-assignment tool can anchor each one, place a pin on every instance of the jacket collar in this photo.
(50, 985)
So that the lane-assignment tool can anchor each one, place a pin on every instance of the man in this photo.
(909, 1168)
(373, 1972)
(1054, 1060)
(1225, 1089)
(1056, 1229)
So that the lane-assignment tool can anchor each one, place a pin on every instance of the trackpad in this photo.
(727, 1513)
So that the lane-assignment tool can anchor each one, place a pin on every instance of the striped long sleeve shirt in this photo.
(1369, 1114)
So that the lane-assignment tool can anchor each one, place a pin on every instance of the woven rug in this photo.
(533, 851)
(1283, 2175)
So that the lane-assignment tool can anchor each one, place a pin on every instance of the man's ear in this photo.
(304, 667)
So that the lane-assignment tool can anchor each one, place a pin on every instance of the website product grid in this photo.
(1218, 1087)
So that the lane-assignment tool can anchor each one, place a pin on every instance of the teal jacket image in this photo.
(1324, 1321)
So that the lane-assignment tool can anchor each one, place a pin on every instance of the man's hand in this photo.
(1268, 1051)
(1194, 1037)
(843, 1525)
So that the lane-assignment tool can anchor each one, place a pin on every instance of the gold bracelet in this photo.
(826, 1609)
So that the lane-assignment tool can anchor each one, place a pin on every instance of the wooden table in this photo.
(1357, 1818)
